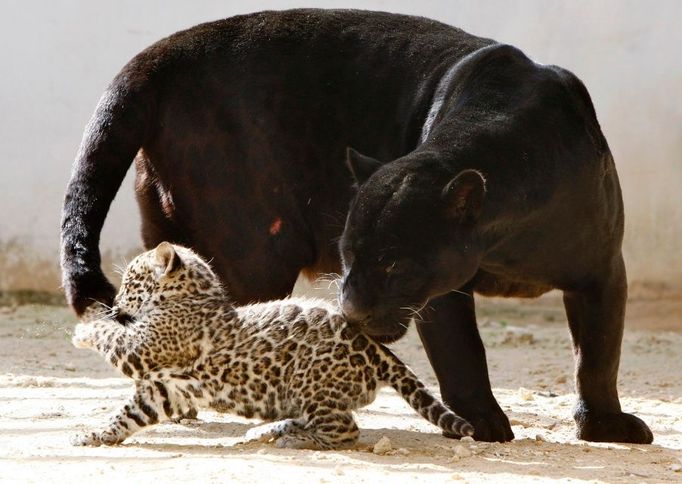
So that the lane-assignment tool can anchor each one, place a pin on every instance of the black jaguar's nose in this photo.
(354, 314)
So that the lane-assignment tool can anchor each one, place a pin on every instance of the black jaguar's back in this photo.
(254, 113)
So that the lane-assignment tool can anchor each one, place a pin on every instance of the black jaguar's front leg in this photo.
(456, 352)
(595, 315)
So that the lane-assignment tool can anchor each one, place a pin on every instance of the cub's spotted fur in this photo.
(295, 362)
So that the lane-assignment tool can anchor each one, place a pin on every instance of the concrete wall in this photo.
(57, 57)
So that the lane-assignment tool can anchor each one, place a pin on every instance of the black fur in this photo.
(242, 128)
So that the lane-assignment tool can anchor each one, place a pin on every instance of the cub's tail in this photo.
(408, 385)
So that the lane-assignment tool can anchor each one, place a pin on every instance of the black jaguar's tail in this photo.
(113, 136)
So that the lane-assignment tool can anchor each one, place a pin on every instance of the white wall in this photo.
(57, 57)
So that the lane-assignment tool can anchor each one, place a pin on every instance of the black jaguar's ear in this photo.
(361, 166)
(167, 259)
(464, 196)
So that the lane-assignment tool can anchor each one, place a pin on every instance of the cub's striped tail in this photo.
(408, 385)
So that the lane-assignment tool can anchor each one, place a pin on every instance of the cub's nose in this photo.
(355, 314)
(121, 316)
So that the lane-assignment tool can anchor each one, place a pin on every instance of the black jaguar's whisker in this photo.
(413, 311)
(417, 311)
(331, 278)
(462, 292)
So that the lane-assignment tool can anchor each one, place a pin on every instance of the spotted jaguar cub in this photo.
(295, 362)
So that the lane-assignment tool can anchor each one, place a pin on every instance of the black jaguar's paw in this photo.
(490, 425)
(612, 427)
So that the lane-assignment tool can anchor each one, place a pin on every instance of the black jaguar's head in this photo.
(411, 234)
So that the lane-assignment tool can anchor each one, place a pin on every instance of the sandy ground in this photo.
(49, 390)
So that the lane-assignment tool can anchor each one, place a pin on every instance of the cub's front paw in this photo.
(83, 439)
(94, 439)
(83, 336)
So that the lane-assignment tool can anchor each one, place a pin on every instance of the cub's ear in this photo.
(361, 166)
(167, 260)
(464, 196)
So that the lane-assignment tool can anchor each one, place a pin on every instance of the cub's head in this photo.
(411, 234)
(168, 273)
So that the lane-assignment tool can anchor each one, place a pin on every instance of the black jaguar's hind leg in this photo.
(157, 211)
(595, 316)
(457, 355)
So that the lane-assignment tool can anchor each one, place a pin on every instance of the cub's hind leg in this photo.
(326, 428)
(275, 430)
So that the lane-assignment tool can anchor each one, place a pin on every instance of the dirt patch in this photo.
(49, 390)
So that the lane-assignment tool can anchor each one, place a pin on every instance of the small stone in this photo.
(382, 446)
(560, 379)
(402, 451)
(525, 394)
(467, 438)
(461, 452)
(69, 367)
(540, 438)
(675, 467)
(338, 471)
(516, 421)
(515, 336)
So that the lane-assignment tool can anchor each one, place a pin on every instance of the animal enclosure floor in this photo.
(49, 390)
